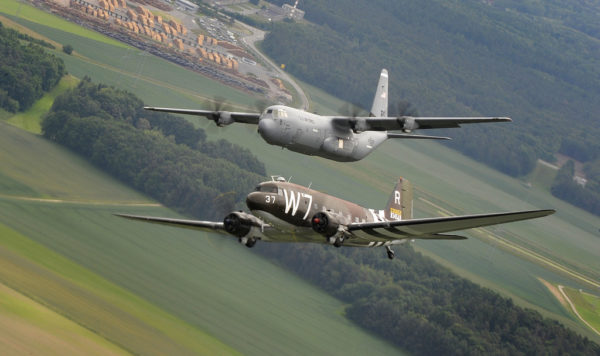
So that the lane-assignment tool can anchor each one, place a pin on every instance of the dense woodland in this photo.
(412, 301)
(159, 154)
(537, 62)
(27, 71)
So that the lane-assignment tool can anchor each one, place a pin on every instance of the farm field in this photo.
(445, 181)
(587, 305)
(30, 119)
(94, 267)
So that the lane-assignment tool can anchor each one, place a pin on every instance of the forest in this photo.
(27, 71)
(161, 155)
(536, 62)
(412, 302)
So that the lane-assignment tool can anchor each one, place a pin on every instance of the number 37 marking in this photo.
(270, 199)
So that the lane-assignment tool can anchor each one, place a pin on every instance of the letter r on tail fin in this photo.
(380, 102)
(399, 206)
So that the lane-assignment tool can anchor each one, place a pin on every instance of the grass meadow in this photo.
(445, 182)
(30, 120)
(587, 305)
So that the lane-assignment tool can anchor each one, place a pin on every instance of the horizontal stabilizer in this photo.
(422, 137)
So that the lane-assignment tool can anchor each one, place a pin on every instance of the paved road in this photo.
(259, 35)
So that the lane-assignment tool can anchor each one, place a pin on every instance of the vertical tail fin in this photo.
(380, 102)
(399, 206)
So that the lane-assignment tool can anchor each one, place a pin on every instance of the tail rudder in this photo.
(380, 102)
(400, 204)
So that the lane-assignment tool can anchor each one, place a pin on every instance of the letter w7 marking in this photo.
(291, 201)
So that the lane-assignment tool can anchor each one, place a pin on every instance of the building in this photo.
(293, 12)
(187, 5)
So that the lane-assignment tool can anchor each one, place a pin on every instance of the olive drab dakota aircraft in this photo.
(339, 138)
(282, 211)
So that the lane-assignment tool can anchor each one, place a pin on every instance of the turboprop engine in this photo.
(223, 118)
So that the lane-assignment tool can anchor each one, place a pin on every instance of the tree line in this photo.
(159, 154)
(462, 59)
(27, 71)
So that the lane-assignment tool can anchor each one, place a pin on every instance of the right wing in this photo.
(409, 123)
(219, 116)
(188, 224)
(433, 228)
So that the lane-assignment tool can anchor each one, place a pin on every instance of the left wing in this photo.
(221, 117)
(433, 228)
(409, 123)
(189, 224)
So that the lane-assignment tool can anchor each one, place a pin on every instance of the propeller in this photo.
(223, 204)
(406, 111)
(352, 111)
(319, 222)
(403, 108)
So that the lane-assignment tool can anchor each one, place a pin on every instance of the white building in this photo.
(187, 5)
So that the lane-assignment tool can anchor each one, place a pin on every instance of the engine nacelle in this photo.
(240, 224)
(224, 118)
(327, 223)
(409, 124)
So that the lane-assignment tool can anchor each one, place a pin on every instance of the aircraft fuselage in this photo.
(289, 208)
(303, 132)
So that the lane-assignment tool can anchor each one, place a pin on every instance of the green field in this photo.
(23, 319)
(200, 293)
(440, 175)
(30, 120)
(587, 305)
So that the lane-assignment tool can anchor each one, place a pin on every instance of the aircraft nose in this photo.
(265, 128)
(254, 200)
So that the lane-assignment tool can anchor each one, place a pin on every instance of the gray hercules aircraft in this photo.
(339, 138)
(286, 212)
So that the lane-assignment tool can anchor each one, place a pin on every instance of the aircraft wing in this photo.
(243, 117)
(409, 123)
(189, 224)
(433, 228)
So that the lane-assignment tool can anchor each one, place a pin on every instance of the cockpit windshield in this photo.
(280, 113)
(266, 188)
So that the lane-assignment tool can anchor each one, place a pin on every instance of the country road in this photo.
(259, 35)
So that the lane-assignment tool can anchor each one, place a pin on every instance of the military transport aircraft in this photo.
(282, 211)
(339, 138)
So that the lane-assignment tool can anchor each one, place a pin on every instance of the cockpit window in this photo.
(280, 114)
(266, 189)
(269, 111)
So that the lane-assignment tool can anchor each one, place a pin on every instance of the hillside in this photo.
(528, 60)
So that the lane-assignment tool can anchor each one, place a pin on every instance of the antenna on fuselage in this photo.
(290, 179)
